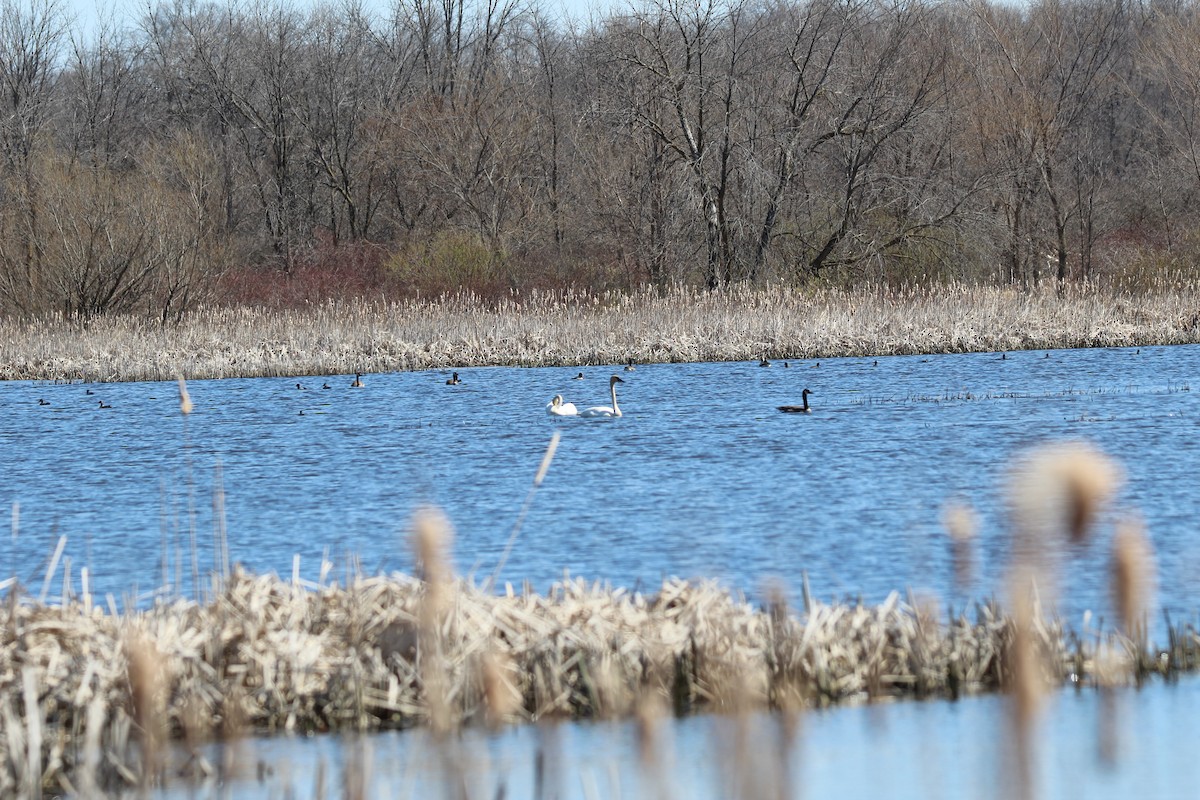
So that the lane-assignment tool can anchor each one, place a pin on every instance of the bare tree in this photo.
(1041, 72)
(32, 37)
(692, 55)
(344, 92)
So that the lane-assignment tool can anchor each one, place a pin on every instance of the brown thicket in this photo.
(258, 152)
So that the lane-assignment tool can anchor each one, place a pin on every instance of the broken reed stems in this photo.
(267, 655)
(543, 468)
(575, 328)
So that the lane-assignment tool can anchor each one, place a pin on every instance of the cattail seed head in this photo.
(185, 402)
(960, 523)
(1132, 574)
(501, 699)
(1061, 486)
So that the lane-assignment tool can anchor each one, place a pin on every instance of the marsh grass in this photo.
(88, 696)
(577, 328)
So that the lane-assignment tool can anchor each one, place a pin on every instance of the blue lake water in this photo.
(702, 477)
(903, 750)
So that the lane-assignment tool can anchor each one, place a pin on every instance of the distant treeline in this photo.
(256, 152)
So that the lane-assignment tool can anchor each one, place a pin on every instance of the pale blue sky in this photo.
(88, 13)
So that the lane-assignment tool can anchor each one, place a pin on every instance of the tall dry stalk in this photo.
(960, 522)
(185, 400)
(1055, 495)
(432, 539)
(654, 754)
(148, 689)
(500, 696)
(540, 476)
(1131, 579)
(1027, 684)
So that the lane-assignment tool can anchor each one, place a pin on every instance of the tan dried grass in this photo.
(575, 328)
(267, 654)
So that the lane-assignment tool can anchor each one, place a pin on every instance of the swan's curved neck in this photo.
(612, 388)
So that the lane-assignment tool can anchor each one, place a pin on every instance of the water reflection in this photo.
(903, 750)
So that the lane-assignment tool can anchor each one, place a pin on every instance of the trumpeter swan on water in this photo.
(453, 380)
(804, 409)
(558, 408)
(606, 411)
(357, 382)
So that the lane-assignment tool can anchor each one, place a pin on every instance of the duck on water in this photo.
(804, 409)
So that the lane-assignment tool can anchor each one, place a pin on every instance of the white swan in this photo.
(558, 408)
(606, 411)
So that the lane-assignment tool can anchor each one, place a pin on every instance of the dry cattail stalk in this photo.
(960, 523)
(500, 697)
(147, 691)
(431, 538)
(185, 402)
(1027, 681)
(649, 714)
(1132, 575)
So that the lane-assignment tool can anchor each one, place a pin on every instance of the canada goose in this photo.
(88, 391)
(453, 380)
(606, 411)
(558, 408)
(357, 382)
(578, 377)
(629, 367)
(104, 405)
(43, 402)
(298, 386)
(762, 362)
(804, 409)
(326, 386)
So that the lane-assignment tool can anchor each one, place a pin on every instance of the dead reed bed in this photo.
(89, 694)
(680, 325)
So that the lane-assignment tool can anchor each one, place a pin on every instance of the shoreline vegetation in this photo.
(582, 328)
(90, 697)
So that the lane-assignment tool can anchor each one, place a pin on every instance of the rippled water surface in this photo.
(702, 477)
